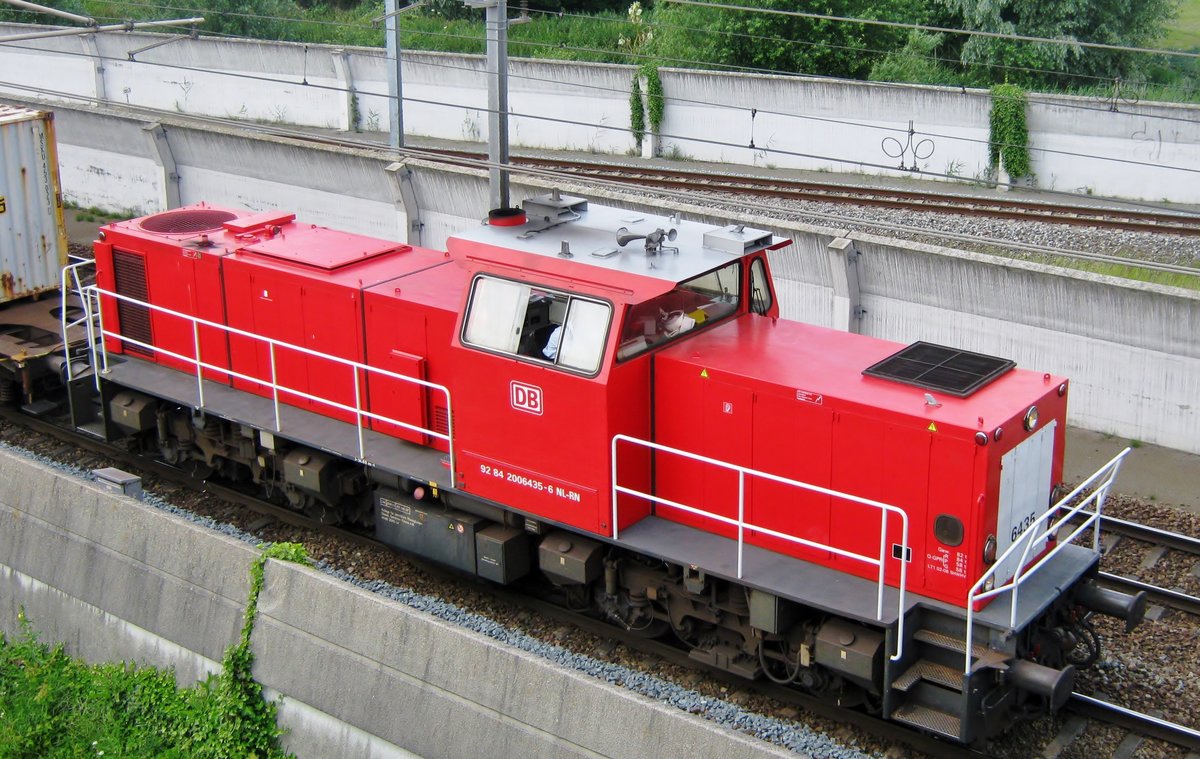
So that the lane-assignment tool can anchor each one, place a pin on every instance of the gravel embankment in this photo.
(927, 226)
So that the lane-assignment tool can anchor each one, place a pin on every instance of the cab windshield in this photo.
(692, 304)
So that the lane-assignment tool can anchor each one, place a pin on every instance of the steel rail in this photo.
(1174, 599)
(467, 159)
(929, 202)
(1175, 540)
(1164, 596)
(1136, 722)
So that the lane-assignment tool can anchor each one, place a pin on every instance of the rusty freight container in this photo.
(33, 241)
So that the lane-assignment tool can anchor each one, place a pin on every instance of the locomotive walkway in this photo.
(1151, 472)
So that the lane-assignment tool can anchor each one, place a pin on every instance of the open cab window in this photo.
(691, 304)
(549, 326)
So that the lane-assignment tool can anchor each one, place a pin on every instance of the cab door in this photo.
(530, 405)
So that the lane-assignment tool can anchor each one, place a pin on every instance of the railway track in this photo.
(1159, 544)
(689, 182)
(746, 189)
(863, 195)
(1136, 724)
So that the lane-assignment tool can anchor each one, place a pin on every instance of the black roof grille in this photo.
(936, 367)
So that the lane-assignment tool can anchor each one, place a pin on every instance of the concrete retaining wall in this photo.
(117, 580)
(1132, 350)
(1136, 150)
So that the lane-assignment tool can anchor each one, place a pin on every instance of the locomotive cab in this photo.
(559, 326)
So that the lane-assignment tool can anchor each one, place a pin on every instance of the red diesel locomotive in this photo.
(609, 400)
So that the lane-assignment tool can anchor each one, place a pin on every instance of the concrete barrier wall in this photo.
(1136, 150)
(118, 580)
(1132, 350)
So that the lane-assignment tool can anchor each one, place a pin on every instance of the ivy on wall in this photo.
(637, 112)
(653, 103)
(246, 718)
(1008, 138)
(654, 96)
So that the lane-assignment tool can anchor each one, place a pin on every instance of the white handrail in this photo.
(742, 525)
(92, 299)
(1032, 535)
(70, 273)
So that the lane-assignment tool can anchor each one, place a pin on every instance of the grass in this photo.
(571, 38)
(1184, 31)
(1123, 271)
(96, 215)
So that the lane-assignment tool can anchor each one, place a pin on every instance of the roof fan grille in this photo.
(936, 367)
(186, 222)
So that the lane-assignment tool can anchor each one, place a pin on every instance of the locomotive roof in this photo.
(589, 233)
(816, 362)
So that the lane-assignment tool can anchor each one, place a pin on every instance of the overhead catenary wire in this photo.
(300, 134)
(767, 111)
(605, 52)
(681, 138)
(617, 186)
(678, 137)
(647, 58)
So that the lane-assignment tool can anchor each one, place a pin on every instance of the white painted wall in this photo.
(1143, 150)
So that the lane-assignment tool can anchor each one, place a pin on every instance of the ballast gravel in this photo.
(951, 229)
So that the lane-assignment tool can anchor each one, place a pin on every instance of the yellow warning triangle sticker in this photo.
(932, 427)
(704, 373)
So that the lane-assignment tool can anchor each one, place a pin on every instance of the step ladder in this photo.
(934, 686)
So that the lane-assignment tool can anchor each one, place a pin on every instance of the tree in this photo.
(1134, 23)
(916, 62)
(745, 38)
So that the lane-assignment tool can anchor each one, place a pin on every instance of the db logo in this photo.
(525, 397)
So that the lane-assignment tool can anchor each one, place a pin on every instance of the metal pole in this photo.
(199, 363)
(395, 82)
(741, 519)
(52, 11)
(497, 63)
(358, 418)
(275, 388)
(126, 27)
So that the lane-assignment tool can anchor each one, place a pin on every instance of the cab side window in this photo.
(496, 314)
(760, 288)
(537, 323)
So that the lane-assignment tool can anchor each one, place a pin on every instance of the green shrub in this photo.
(54, 705)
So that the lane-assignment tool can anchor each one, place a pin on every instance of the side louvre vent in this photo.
(441, 420)
(129, 270)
